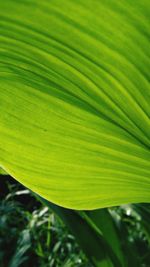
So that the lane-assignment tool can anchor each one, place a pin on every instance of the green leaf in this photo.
(98, 251)
(74, 99)
(2, 172)
(103, 222)
(23, 245)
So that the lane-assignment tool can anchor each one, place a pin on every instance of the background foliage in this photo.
(32, 235)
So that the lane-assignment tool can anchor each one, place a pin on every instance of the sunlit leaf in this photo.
(74, 99)
(2, 172)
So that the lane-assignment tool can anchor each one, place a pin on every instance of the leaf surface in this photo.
(74, 99)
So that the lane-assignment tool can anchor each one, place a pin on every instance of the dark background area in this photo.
(32, 235)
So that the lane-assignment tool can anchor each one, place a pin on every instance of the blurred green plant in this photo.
(31, 233)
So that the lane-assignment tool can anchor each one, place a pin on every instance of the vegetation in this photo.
(75, 131)
(33, 235)
(74, 94)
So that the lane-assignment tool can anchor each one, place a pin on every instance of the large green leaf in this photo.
(2, 172)
(74, 99)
